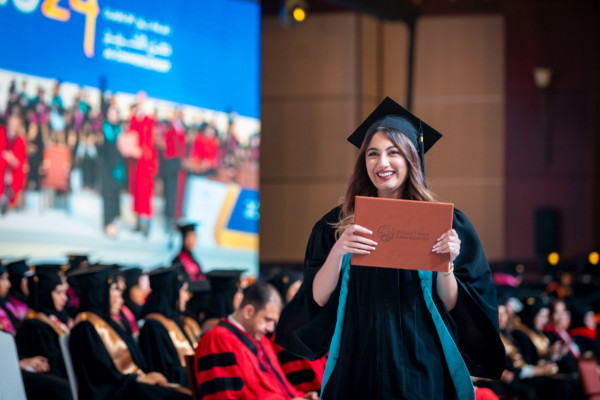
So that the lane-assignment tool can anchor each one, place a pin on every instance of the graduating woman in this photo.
(164, 339)
(107, 361)
(47, 319)
(393, 334)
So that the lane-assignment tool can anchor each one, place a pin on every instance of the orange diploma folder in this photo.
(405, 231)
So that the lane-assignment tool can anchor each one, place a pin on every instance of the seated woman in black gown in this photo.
(163, 338)
(47, 319)
(107, 361)
(393, 334)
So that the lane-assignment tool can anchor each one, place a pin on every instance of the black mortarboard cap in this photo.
(222, 278)
(75, 260)
(392, 115)
(186, 228)
(199, 287)
(17, 269)
(282, 281)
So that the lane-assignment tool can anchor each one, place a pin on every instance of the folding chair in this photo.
(11, 381)
(66, 353)
(189, 367)
(588, 375)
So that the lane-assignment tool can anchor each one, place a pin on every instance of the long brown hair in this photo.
(360, 184)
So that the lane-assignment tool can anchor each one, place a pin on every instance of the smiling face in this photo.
(386, 166)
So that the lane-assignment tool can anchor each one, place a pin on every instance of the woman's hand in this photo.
(448, 243)
(34, 364)
(352, 242)
(153, 378)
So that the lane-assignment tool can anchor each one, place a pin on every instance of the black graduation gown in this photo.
(389, 346)
(37, 338)
(160, 352)
(97, 375)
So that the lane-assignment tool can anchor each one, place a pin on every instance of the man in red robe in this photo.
(174, 154)
(235, 359)
(14, 156)
(142, 178)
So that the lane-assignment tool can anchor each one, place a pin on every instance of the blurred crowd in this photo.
(43, 139)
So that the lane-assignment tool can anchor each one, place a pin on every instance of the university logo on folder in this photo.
(405, 231)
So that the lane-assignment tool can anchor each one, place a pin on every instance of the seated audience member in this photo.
(17, 273)
(583, 329)
(163, 339)
(76, 261)
(8, 314)
(529, 335)
(226, 295)
(137, 289)
(47, 319)
(524, 380)
(107, 361)
(305, 375)
(39, 384)
(236, 360)
(565, 347)
(195, 309)
(125, 316)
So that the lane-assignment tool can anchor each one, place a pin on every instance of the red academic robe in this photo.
(19, 171)
(175, 147)
(230, 364)
(206, 150)
(305, 375)
(3, 163)
(147, 166)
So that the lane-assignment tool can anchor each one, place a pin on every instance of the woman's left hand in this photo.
(448, 243)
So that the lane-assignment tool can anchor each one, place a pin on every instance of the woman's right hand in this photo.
(153, 378)
(351, 241)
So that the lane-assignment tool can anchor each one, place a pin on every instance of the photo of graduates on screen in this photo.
(127, 152)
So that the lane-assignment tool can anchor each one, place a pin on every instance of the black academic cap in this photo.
(199, 287)
(161, 277)
(282, 281)
(75, 260)
(132, 275)
(186, 228)
(223, 278)
(392, 115)
(17, 269)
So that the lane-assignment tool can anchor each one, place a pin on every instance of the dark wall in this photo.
(551, 143)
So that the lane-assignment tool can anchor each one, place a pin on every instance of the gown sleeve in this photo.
(474, 320)
(36, 338)
(304, 328)
(160, 353)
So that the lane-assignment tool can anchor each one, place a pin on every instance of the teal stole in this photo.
(461, 378)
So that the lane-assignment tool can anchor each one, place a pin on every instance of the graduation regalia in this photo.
(18, 172)
(146, 168)
(8, 317)
(107, 361)
(232, 364)
(186, 258)
(18, 270)
(163, 339)
(174, 175)
(388, 333)
(38, 334)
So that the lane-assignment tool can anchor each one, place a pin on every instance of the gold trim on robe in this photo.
(192, 329)
(513, 352)
(182, 345)
(116, 347)
(539, 340)
(60, 330)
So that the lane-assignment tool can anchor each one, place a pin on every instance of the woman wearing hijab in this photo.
(17, 272)
(47, 320)
(164, 339)
(393, 333)
(107, 361)
(583, 329)
(8, 314)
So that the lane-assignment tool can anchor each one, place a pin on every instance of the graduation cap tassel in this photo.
(422, 152)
